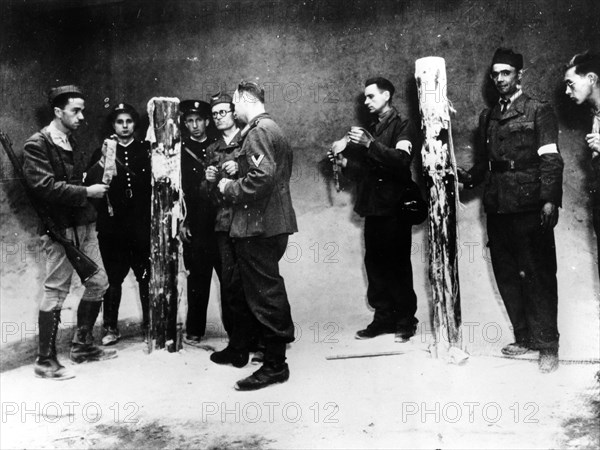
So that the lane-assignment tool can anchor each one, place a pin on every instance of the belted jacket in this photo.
(56, 182)
(519, 161)
(261, 199)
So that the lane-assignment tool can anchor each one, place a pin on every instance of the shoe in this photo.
(257, 358)
(81, 353)
(111, 337)
(404, 333)
(515, 349)
(50, 368)
(263, 377)
(228, 355)
(374, 330)
(46, 364)
(190, 339)
(82, 347)
(548, 361)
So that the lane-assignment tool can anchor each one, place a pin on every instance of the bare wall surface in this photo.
(313, 58)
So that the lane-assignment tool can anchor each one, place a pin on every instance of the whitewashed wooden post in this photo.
(439, 167)
(163, 134)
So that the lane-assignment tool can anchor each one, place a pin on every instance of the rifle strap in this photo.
(76, 236)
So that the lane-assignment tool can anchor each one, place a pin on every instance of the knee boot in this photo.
(112, 301)
(83, 348)
(46, 364)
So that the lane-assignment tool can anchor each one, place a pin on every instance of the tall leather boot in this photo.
(274, 370)
(83, 348)
(47, 365)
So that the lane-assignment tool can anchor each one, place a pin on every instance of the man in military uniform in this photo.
(381, 168)
(200, 252)
(124, 217)
(522, 169)
(263, 218)
(50, 170)
(582, 79)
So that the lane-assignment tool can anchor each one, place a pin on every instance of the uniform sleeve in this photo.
(260, 178)
(41, 178)
(551, 165)
(399, 155)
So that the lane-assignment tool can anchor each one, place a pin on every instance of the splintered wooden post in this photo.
(439, 167)
(166, 181)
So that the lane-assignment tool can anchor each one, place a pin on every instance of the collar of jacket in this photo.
(379, 126)
(517, 109)
(46, 135)
(235, 142)
(253, 123)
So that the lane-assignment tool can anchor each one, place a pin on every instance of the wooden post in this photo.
(439, 167)
(163, 134)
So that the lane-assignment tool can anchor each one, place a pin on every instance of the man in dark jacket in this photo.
(51, 173)
(124, 217)
(522, 170)
(200, 252)
(582, 79)
(263, 218)
(381, 168)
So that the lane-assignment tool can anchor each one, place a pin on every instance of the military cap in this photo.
(199, 107)
(60, 90)
(220, 98)
(507, 56)
(123, 108)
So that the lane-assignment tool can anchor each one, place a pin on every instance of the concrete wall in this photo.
(313, 58)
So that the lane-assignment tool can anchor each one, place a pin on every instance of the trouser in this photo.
(119, 254)
(200, 256)
(59, 269)
(389, 271)
(266, 303)
(232, 291)
(524, 263)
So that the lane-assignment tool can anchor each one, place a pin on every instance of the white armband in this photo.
(404, 145)
(548, 148)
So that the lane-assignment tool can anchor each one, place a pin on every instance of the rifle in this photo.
(83, 264)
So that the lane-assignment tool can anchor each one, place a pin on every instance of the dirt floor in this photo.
(407, 400)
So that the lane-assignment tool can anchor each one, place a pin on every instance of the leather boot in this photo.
(47, 365)
(274, 370)
(83, 348)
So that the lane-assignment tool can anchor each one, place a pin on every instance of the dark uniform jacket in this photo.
(218, 153)
(51, 173)
(514, 139)
(130, 192)
(262, 204)
(200, 210)
(382, 171)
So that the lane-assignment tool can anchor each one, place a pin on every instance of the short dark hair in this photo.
(62, 100)
(383, 84)
(253, 89)
(585, 63)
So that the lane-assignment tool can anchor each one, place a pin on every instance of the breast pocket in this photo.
(522, 134)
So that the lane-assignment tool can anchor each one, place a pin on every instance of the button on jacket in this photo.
(520, 135)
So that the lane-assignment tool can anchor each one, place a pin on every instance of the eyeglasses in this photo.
(221, 113)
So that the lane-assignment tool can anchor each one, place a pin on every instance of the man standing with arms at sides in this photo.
(50, 171)
(200, 253)
(382, 173)
(522, 169)
(263, 219)
(582, 78)
(124, 217)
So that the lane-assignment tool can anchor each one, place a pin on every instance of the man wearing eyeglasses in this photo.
(263, 218)
(522, 170)
(200, 253)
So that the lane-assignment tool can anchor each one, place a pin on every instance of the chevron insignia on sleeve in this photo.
(256, 159)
